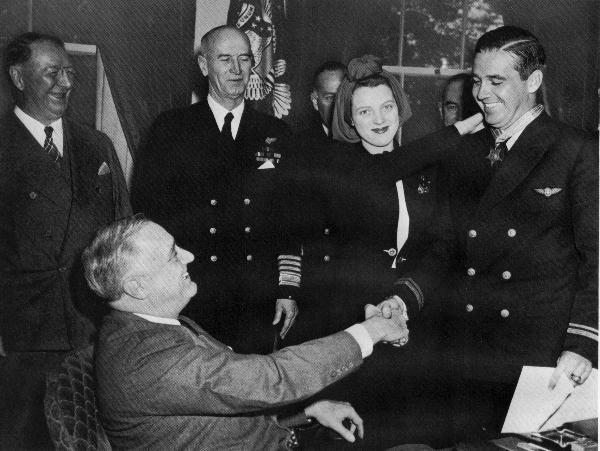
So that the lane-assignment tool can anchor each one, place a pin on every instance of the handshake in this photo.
(387, 322)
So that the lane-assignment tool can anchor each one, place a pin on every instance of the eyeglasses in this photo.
(56, 73)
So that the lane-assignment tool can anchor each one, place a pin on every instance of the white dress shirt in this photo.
(36, 128)
(219, 113)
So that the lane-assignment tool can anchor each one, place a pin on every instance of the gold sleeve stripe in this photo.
(583, 333)
(581, 326)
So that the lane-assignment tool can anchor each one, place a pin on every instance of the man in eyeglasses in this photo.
(59, 182)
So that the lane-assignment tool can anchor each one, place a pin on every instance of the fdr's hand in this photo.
(392, 329)
(331, 414)
(289, 309)
(576, 367)
(2, 351)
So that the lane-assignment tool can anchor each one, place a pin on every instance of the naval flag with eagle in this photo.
(256, 19)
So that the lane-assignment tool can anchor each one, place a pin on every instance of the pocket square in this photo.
(267, 165)
(547, 191)
(104, 169)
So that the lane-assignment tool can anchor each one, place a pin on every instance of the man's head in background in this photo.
(326, 82)
(457, 99)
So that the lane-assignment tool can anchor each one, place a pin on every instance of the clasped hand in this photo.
(390, 322)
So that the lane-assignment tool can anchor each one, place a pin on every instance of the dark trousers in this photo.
(22, 388)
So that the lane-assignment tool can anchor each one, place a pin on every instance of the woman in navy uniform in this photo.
(363, 221)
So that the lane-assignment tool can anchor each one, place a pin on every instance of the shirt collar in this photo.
(219, 113)
(158, 319)
(36, 128)
(512, 133)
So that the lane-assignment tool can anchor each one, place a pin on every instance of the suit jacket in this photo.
(521, 244)
(216, 202)
(171, 387)
(48, 217)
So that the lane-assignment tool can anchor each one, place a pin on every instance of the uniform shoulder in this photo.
(270, 122)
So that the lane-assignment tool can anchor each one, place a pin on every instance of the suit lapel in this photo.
(84, 165)
(38, 171)
(520, 161)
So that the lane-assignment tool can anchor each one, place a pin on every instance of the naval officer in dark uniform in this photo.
(521, 242)
(207, 175)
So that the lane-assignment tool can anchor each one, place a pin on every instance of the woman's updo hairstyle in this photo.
(365, 71)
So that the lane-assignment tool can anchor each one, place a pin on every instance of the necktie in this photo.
(50, 148)
(498, 153)
(226, 130)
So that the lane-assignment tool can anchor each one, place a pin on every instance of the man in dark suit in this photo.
(521, 239)
(164, 383)
(457, 99)
(326, 82)
(59, 182)
(208, 173)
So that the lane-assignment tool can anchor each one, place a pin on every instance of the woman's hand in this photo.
(470, 125)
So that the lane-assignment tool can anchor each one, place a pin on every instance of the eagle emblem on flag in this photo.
(255, 18)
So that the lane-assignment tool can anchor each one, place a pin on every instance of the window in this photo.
(435, 40)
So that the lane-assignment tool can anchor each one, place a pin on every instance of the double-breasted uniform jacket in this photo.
(345, 209)
(522, 247)
(48, 217)
(215, 199)
(165, 386)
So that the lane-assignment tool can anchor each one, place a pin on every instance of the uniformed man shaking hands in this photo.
(520, 242)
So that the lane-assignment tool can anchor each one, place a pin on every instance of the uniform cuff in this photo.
(288, 292)
(362, 337)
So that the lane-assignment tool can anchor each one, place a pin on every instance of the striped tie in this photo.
(51, 148)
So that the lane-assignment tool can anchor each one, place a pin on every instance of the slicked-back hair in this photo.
(526, 48)
(106, 259)
(328, 66)
(18, 51)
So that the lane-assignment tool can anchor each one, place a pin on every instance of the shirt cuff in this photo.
(362, 337)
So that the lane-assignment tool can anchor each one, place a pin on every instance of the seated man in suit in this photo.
(164, 383)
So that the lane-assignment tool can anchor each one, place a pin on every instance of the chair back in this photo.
(70, 405)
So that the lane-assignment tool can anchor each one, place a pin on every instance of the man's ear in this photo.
(202, 63)
(135, 287)
(314, 98)
(16, 75)
(534, 81)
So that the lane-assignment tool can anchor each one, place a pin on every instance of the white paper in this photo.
(535, 407)
(267, 165)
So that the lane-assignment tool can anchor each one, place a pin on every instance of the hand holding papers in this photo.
(535, 407)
